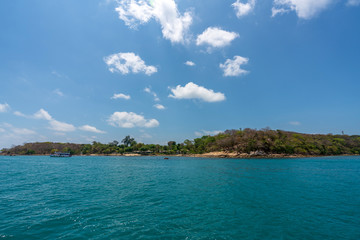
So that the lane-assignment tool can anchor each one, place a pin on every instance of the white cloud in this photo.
(59, 75)
(207, 133)
(4, 107)
(216, 37)
(120, 95)
(125, 63)
(56, 74)
(243, 9)
(19, 114)
(276, 11)
(232, 68)
(159, 106)
(13, 135)
(10, 138)
(193, 91)
(61, 126)
(189, 63)
(15, 130)
(58, 92)
(6, 125)
(305, 9)
(54, 124)
(148, 90)
(90, 139)
(42, 114)
(23, 131)
(89, 128)
(174, 25)
(132, 12)
(131, 120)
(295, 123)
(353, 2)
(145, 135)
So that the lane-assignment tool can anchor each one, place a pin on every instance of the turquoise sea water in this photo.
(179, 198)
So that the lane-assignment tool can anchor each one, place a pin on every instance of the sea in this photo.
(97, 197)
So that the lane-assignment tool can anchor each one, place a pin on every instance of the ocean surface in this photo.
(179, 198)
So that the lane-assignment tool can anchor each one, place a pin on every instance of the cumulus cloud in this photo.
(193, 91)
(131, 120)
(148, 90)
(305, 9)
(54, 124)
(4, 107)
(120, 95)
(353, 2)
(89, 128)
(174, 25)
(243, 9)
(190, 63)
(232, 67)
(61, 126)
(125, 63)
(42, 114)
(216, 37)
(134, 12)
(207, 133)
(159, 106)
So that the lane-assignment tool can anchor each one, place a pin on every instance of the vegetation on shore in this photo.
(249, 141)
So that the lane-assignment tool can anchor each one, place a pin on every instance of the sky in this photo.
(161, 70)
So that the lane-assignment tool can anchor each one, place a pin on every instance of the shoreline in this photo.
(225, 155)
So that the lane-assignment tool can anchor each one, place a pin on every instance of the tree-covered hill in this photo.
(250, 141)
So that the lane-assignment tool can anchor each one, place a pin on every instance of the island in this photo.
(235, 143)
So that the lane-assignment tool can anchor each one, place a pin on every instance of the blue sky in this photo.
(160, 70)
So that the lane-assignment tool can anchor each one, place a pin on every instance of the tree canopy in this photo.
(264, 141)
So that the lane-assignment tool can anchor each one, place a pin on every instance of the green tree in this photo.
(128, 141)
(30, 152)
(114, 143)
(172, 145)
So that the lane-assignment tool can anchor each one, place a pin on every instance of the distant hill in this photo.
(249, 141)
(42, 148)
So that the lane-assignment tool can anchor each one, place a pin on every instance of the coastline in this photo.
(219, 154)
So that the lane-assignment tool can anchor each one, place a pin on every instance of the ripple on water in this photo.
(151, 198)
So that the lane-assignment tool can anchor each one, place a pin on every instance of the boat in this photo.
(60, 154)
